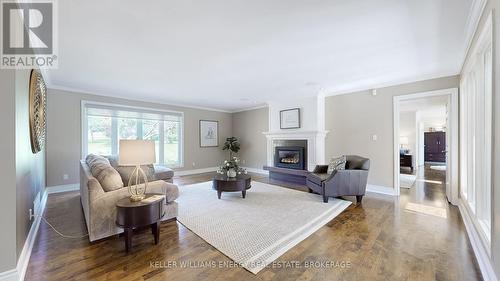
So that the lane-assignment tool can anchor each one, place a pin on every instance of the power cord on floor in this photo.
(57, 231)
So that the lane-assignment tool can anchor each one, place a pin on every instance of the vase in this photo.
(231, 173)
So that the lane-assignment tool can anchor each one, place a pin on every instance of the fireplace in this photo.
(291, 157)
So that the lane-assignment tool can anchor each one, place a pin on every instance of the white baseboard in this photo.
(386, 190)
(9, 275)
(62, 188)
(195, 171)
(257, 171)
(481, 253)
(19, 272)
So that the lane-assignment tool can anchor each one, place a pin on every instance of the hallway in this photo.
(429, 188)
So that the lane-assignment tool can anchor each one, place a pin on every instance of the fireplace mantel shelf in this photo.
(295, 133)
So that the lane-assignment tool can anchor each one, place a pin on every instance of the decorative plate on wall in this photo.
(37, 104)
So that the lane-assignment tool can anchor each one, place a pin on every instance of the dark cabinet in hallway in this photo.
(435, 146)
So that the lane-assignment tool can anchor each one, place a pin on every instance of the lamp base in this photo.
(137, 198)
(137, 191)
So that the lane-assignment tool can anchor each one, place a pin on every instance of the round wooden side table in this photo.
(148, 212)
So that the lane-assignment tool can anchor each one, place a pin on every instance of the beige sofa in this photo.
(99, 206)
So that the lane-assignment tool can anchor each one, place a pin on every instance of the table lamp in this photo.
(137, 153)
(403, 141)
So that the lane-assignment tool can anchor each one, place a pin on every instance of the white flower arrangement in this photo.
(231, 164)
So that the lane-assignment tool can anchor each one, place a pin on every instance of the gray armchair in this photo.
(349, 182)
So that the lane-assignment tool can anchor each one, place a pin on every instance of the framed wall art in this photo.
(209, 133)
(290, 118)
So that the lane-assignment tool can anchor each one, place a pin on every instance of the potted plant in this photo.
(231, 168)
(232, 145)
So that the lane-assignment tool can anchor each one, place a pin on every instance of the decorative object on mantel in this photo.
(37, 108)
(232, 145)
(290, 118)
(137, 153)
(209, 133)
(231, 168)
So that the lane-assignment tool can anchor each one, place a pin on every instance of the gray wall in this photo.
(30, 168)
(353, 119)
(22, 172)
(494, 6)
(8, 255)
(64, 134)
(248, 127)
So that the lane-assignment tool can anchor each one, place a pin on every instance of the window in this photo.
(476, 133)
(104, 125)
(99, 135)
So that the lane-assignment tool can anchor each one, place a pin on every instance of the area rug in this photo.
(407, 181)
(256, 230)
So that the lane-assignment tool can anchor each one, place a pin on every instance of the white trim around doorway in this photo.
(453, 113)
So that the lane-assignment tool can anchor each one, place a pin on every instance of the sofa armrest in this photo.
(171, 192)
(163, 173)
(320, 169)
(95, 189)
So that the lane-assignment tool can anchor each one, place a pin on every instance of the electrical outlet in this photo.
(194, 164)
(243, 161)
(31, 214)
(374, 137)
(65, 177)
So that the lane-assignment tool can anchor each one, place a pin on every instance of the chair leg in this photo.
(325, 198)
(359, 198)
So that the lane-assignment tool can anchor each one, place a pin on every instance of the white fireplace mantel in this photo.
(315, 145)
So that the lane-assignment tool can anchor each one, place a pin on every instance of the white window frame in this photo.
(114, 136)
(476, 90)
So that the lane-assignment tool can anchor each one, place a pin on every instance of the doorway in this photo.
(426, 142)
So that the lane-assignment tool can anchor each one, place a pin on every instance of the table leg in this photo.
(155, 229)
(128, 238)
(244, 193)
(219, 193)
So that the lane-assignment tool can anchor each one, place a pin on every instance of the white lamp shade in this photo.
(137, 152)
(403, 140)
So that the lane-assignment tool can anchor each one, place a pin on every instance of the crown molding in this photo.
(250, 108)
(354, 88)
(94, 93)
(80, 91)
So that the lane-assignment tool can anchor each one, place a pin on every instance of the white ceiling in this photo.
(234, 54)
(431, 111)
(422, 104)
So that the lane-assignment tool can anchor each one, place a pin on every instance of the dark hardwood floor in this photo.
(418, 236)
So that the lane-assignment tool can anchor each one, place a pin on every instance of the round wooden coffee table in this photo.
(148, 212)
(239, 183)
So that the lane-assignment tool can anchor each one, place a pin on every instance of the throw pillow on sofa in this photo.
(102, 170)
(337, 164)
